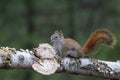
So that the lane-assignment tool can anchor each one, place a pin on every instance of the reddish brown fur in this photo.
(98, 37)
(70, 43)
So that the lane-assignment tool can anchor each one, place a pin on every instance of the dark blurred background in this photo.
(26, 23)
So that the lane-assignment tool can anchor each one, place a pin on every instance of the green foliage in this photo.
(26, 23)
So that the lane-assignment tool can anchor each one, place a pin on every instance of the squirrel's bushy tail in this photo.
(99, 37)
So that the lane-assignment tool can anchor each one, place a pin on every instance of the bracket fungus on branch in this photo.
(47, 63)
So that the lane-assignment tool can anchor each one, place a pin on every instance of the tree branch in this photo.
(44, 61)
(11, 58)
(91, 67)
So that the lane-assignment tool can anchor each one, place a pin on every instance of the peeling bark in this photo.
(11, 58)
(44, 61)
(91, 67)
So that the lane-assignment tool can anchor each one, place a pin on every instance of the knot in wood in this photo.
(21, 58)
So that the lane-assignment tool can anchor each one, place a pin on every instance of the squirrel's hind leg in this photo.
(72, 53)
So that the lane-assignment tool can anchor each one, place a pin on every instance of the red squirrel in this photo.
(68, 47)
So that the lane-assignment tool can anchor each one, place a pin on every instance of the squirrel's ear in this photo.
(61, 33)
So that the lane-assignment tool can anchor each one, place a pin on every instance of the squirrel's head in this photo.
(57, 36)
